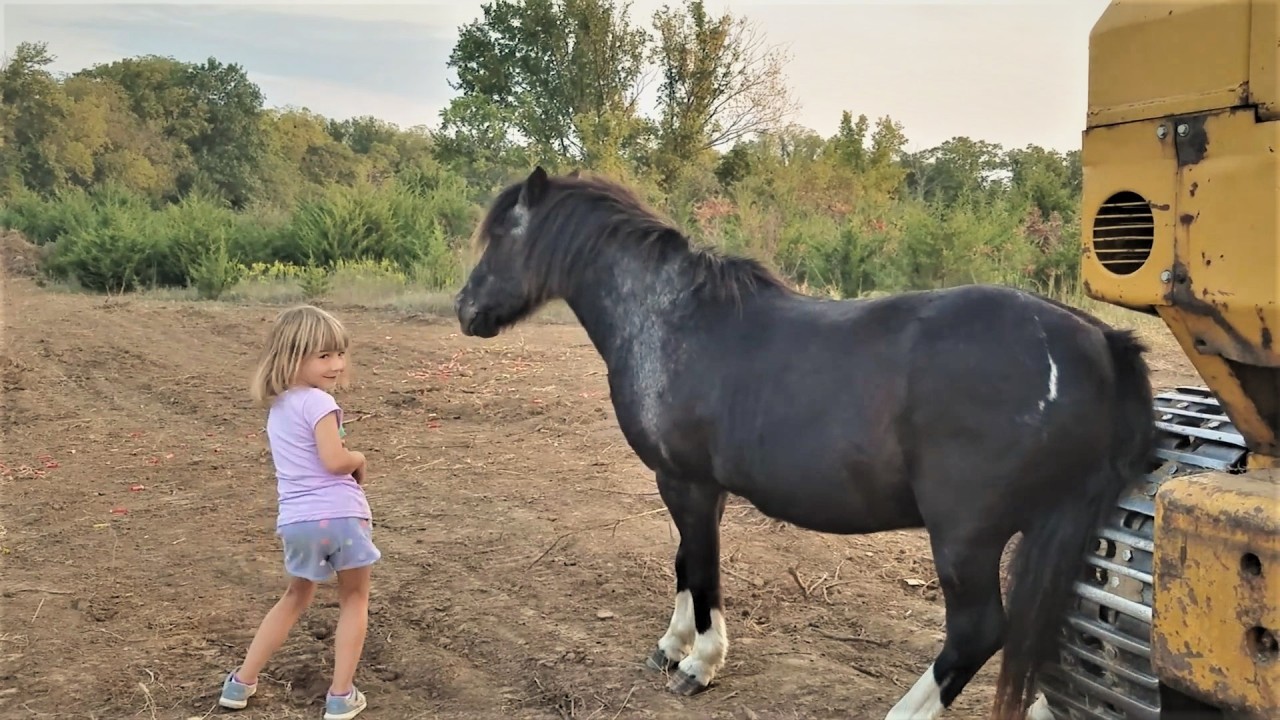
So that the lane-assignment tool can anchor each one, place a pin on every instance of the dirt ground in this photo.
(527, 557)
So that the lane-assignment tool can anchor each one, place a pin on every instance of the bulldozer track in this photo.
(1104, 668)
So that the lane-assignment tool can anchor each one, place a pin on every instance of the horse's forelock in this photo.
(499, 209)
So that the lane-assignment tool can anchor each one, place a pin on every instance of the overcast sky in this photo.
(1008, 71)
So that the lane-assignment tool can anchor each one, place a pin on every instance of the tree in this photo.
(849, 146)
(227, 144)
(958, 169)
(549, 81)
(212, 109)
(720, 83)
(1046, 179)
(34, 112)
(562, 75)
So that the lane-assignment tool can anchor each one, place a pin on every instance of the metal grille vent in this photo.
(1123, 232)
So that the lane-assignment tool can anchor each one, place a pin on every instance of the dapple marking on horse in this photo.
(975, 412)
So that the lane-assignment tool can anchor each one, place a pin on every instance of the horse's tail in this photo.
(1050, 554)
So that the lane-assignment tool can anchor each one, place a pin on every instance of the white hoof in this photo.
(709, 651)
(680, 633)
(1039, 710)
(922, 702)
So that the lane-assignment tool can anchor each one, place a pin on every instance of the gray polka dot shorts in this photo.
(316, 549)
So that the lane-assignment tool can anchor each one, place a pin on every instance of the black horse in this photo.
(975, 412)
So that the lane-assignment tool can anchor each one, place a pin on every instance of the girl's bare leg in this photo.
(353, 620)
(275, 628)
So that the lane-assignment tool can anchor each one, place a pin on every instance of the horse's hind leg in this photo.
(695, 641)
(969, 575)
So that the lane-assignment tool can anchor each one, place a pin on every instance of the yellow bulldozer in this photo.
(1179, 613)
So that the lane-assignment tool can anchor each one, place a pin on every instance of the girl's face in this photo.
(322, 370)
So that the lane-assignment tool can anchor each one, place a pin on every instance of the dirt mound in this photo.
(18, 256)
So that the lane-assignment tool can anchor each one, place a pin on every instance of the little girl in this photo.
(324, 519)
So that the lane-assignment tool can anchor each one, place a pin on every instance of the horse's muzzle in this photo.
(471, 321)
(466, 312)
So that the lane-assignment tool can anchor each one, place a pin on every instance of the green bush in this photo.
(363, 223)
(111, 239)
(214, 271)
(42, 221)
(411, 230)
(194, 235)
(118, 252)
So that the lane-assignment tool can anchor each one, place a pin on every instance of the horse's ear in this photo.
(577, 172)
(535, 187)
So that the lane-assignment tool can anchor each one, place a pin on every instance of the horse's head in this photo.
(500, 291)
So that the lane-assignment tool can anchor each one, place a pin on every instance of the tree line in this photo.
(149, 171)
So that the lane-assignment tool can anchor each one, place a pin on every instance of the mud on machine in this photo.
(1178, 615)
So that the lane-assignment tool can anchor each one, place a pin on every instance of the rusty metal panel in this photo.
(1264, 58)
(1153, 58)
(1212, 181)
(1222, 290)
(1225, 239)
(1128, 159)
(1216, 611)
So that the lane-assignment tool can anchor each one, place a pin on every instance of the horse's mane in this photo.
(579, 214)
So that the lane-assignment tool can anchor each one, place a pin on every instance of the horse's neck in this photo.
(628, 308)
(630, 311)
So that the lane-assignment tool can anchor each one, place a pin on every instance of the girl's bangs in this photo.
(329, 336)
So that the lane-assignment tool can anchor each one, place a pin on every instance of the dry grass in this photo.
(367, 287)
(360, 292)
(1145, 324)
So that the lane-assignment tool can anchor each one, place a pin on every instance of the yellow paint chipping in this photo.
(1217, 588)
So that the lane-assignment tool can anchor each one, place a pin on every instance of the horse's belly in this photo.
(830, 502)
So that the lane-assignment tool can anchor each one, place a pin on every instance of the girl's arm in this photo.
(336, 457)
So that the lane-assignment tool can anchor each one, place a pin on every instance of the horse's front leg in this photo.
(695, 640)
(674, 646)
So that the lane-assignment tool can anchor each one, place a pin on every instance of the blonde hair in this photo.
(298, 333)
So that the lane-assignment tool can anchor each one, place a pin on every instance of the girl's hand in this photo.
(360, 472)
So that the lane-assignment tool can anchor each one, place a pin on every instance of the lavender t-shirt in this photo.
(308, 491)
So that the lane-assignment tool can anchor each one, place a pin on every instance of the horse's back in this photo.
(807, 363)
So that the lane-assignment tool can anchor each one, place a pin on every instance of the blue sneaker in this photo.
(344, 707)
(235, 694)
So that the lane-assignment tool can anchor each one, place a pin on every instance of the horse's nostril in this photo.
(465, 310)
